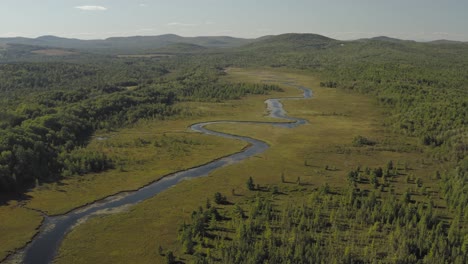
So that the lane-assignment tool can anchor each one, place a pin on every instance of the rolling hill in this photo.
(302, 45)
(136, 44)
(291, 41)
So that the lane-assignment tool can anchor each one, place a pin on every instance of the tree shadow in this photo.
(261, 189)
(221, 229)
(224, 203)
(20, 195)
(6, 198)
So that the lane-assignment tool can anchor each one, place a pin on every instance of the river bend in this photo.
(46, 243)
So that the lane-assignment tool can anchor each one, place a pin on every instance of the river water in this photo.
(45, 245)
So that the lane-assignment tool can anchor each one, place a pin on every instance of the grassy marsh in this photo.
(319, 152)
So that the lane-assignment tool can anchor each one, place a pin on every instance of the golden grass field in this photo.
(335, 118)
(17, 226)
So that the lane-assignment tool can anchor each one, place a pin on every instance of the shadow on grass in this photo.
(20, 195)
(5, 198)
(225, 203)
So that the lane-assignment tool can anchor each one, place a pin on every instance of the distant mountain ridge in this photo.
(128, 43)
(291, 41)
(182, 48)
(390, 39)
(177, 44)
(446, 41)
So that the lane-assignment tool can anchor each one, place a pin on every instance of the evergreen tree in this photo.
(250, 184)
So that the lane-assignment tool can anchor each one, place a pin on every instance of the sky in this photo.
(341, 19)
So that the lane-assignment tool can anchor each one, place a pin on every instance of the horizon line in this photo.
(232, 36)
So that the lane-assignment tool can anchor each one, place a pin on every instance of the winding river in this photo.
(46, 243)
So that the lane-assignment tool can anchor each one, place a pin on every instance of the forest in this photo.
(50, 111)
(313, 230)
(50, 108)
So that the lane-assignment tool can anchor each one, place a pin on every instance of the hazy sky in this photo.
(341, 19)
